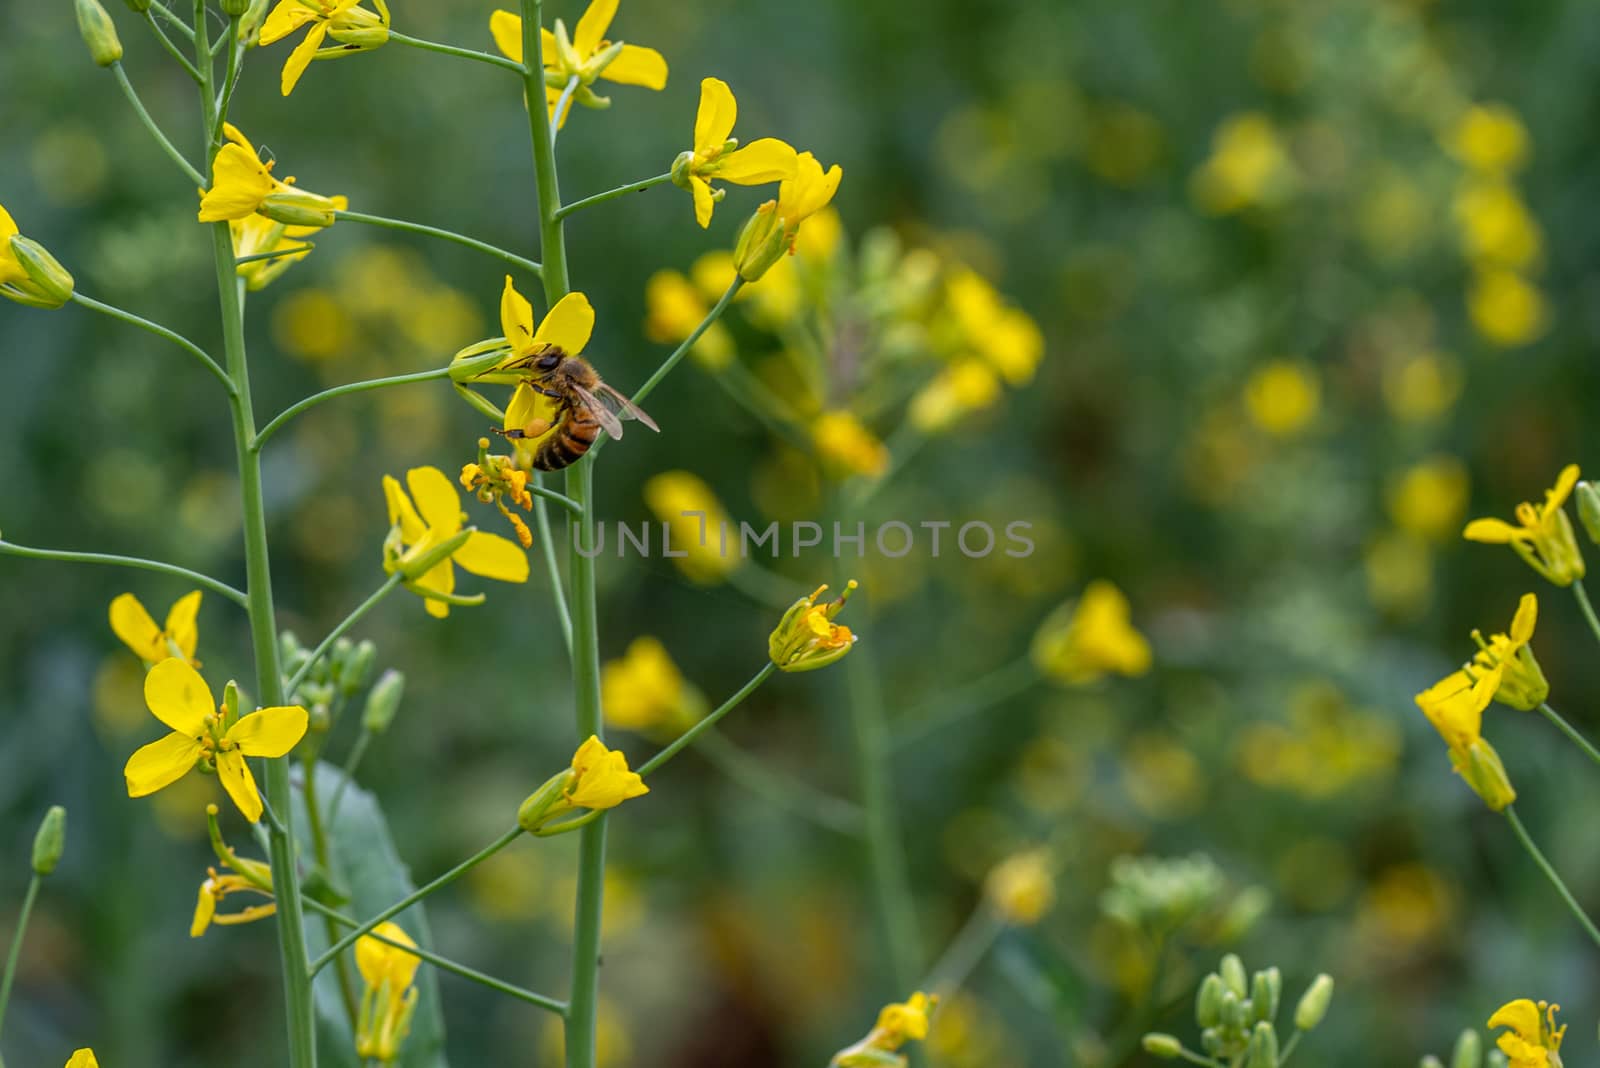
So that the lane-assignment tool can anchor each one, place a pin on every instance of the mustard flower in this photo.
(898, 1023)
(645, 691)
(427, 539)
(1522, 682)
(1454, 705)
(696, 525)
(257, 234)
(809, 191)
(1489, 138)
(1543, 535)
(1532, 1040)
(1506, 308)
(498, 479)
(1023, 887)
(1006, 337)
(1082, 641)
(28, 274)
(83, 1058)
(966, 386)
(846, 445)
(567, 327)
(242, 185)
(152, 644)
(218, 886)
(716, 156)
(674, 307)
(353, 28)
(203, 734)
(807, 638)
(598, 779)
(389, 974)
(587, 55)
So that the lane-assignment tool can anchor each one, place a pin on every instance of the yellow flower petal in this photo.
(1527, 616)
(239, 182)
(181, 626)
(764, 160)
(300, 58)
(271, 732)
(568, 325)
(494, 557)
(441, 579)
(204, 909)
(636, 65)
(83, 1058)
(380, 962)
(436, 499)
(714, 121)
(233, 771)
(809, 191)
(161, 763)
(516, 318)
(132, 623)
(704, 202)
(437, 609)
(403, 512)
(592, 26)
(1563, 487)
(506, 29)
(1491, 531)
(1521, 1015)
(179, 697)
(287, 17)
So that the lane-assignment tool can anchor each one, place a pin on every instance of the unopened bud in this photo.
(1589, 509)
(51, 281)
(1265, 990)
(298, 209)
(51, 840)
(355, 668)
(535, 811)
(1430, 1061)
(1233, 974)
(234, 8)
(1264, 1047)
(761, 243)
(1208, 1001)
(1314, 1003)
(1468, 1052)
(680, 170)
(362, 36)
(99, 32)
(383, 702)
(1167, 1047)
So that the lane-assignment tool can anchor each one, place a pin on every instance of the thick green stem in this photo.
(238, 597)
(612, 194)
(1570, 731)
(1550, 873)
(162, 332)
(15, 953)
(263, 620)
(687, 737)
(445, 235)
(1588, 609)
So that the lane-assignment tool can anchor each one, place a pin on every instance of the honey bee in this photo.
(585, 405)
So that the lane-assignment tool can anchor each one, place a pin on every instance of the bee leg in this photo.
(546, 391)
(536, 428)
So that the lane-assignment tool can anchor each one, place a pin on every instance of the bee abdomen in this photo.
(572, 438)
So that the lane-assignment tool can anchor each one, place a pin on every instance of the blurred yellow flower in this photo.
(418, 533)
(1543, 536)
(966, 386)
(314, 324)
(1394, 216)
(845, 445)
(898, 1023)
(716, 156)
(1248, 166)
(177, 696)
(1497, 230)
(353, 28)
(697, 523)
(587, 54)
(1532, 1040)
(1084, 640)
(1454, 705)
(1023, 887)
(807, 638)
(1282, 397)
(673, 308)
(1006, 337)
(600, 777)
(1419, 387)
(1522, 682)
(1399, 572)
(821, 236)
(1429, 498)
(1489, 138)
(1506, 308)
(388, 973)
(152, 644)
(645, 691)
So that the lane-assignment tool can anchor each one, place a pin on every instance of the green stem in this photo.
(1571, 732)
(388, 587)
(15, 953)
(155, 131)
(1199, 1058)
(687, 737)
(238, 597)
(175, 22)
(885, 852)
(412, 898)
(1289, 1048)
(160, 331)
(970, 699)
(974, 939)
(275, 254)
(1550, 873)
(315, 399)
(547, 548)
(230, 78)
(612, 194)
(558, 115)
(1588, 609)
(781, 789)
(172, 49)
(446, 235)
(445, 963)
(319, 848)
(301, 1014)
(452, 50)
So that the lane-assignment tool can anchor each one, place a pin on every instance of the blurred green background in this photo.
(1305, 311)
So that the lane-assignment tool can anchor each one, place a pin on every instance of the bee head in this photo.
(549, 360)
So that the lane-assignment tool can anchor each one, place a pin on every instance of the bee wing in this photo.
(606, 417)
(625, 407)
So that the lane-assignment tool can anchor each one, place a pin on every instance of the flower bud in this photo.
(383, 702)
(1208, 1001)
(1264, 1047)
(1234, 1010)
(1468, 1052)
(761, 244)
(1167, 1047)
(99, 32)
(681, 167)
(1479, 765)
(234, 8)
(1265, 990)
(51, 840)
(354, 668)
(1589, 509)
(1233, 974)
(298, 209)
(536, 810)
(1430, 1061)
(1314, 1003)
(51, 281)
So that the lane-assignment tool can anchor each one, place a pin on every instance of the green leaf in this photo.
(363, 865)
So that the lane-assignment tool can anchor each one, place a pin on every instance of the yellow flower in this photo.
(201, 733)
(1543, 536)
(807, 638)
(965, 386)
(645, 691)
(241, 182)
(1427, 500)
(1282, 397)
(588, 55)
(1489, 138)
(388, 972)
(83, 1058)
(1533, 1039)
(1022, 887)
(256, 234)
(898, 1023)
(1007, 338)
(1496, 227)
(809, 191)
(427, 540)
(1522, 682)
(46, 285)
(1248, 166)
(1454, 705)
(845, 444)
(152, 644)
(215, 889)
(1506, 309)
(600, 777)
(717, 156)
(353, 27)
(696, 523)
(1080, 642)
(567, 327)
(673, 308)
